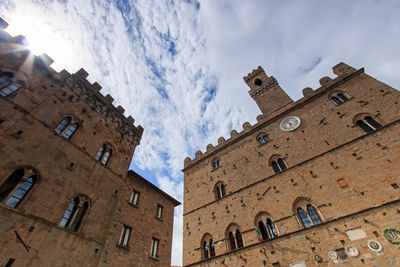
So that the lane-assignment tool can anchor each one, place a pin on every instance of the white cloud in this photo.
(215, 46)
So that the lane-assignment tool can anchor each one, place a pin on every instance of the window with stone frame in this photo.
(159, 212)
(125, 236)
(104, 154)
(339, 97)
(17, 186)
(266, 226)
(307, 213)
(207, 247)
(67, 127)
(7, 84)
(277, 163)
(262, 139)
(234, 237)
(220, 190)
(134, 197)
(216, 163)
(75, 213)
(154, 247)
(367, 123)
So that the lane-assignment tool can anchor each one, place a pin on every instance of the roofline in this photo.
(134, 174)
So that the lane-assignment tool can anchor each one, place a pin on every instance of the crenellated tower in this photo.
(266, 91)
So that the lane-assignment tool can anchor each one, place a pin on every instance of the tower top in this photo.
(266, 91)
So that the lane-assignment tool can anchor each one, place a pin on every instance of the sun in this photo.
(42, 38)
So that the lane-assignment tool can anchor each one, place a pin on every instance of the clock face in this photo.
(290, 123)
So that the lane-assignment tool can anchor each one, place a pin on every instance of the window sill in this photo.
(154, 258)
(123, 247)
(133, 205)
(158, 218)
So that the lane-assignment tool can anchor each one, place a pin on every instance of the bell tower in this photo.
(266, 91)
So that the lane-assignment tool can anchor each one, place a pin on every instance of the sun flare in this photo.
(42, 39)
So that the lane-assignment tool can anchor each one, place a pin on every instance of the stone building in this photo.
(313, 182)
(66, 196)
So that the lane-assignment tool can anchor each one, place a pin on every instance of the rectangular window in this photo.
(1, 121)
(124, 239)
(154, 247)
(159, 211)
(134, 197)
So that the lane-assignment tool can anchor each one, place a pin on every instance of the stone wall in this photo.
(327, 152)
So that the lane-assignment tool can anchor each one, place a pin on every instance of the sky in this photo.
(177, 67)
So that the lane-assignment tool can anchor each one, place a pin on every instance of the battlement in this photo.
(77, 82)
(253, 74)
(342, 71)
(90, 94)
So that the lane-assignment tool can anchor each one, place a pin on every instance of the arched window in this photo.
(234, 237)
(368, 124)
(15, 188)
(339, 98)
(104, 154)
(278, 164)
(219, 190)
(7, 85)
(66, 127)
(74, 215)
(262, 139)
(266, 226)
(207, 247)
(306, 212)
(216, 164)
